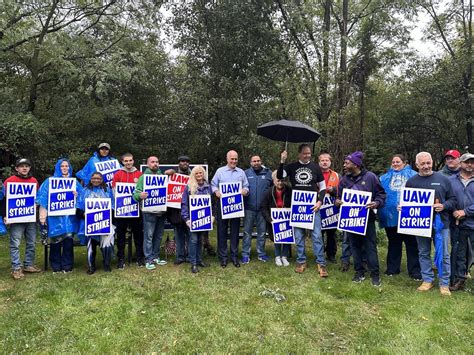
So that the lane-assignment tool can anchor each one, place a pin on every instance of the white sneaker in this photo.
(285, 261)
(159, 262)
(278, 261)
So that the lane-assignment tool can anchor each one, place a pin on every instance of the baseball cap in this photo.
(466, 157)
(23, 161)
(104, 145)
(452, 153)
(184, 158)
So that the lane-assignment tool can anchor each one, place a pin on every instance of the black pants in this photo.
(369, 243)
(331, 243)
(137, 231)
(394, 253)
(222, 225)
(61, 254)
(460, 244)
(107, 252)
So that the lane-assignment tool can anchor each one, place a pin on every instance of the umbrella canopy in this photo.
(288, 131)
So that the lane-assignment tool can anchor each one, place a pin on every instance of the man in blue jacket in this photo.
(462, 227)
(260, 179)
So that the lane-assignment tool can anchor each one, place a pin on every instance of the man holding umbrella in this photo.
(445, 201)
(306, 175)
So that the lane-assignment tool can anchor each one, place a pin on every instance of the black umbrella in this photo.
(288, 131)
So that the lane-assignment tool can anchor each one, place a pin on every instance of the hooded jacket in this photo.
(393, 182)
(259, 183)
(86, 172)
(57, 225)
(465, 200)
(125, 176)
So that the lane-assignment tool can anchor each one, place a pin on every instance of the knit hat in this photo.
(356, 158)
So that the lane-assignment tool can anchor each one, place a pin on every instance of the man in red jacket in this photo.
(128, 174)
(17, 230)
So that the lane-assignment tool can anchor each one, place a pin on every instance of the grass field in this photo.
(221, 310)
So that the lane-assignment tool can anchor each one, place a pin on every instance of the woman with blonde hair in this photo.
(197, 185)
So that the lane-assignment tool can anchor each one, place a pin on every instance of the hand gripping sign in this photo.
(176, 185)
(232, 204)
(329, 213)
(21, 202)
(302, 215)
(200, 212)
(98, 216)
(282, 231)
(125, 205)
(108, 168)
(416, 213)
(61, 198)
(156, 186)
(353, 213)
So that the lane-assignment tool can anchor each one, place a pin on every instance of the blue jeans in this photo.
(61, 254)
(282, 249)
(250, 218)
(153, 227)
(317, 239)
(346, 249)
(16, 233)
(181, 237)
(367, 242)
(424, 253)
(195, 247)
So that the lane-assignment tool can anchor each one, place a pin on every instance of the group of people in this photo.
(262, 190)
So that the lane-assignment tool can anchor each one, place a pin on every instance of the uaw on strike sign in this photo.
(125, 205)
(200, 212)
(232, 204)
(98, 216)
(155, 186)
(302, 203)
(21, 202)
(282, 231)
(416, 213)
(108, 168)
(61, 198)
(353, 213)
(176, 185)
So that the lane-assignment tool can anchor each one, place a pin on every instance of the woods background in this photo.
(198, 77)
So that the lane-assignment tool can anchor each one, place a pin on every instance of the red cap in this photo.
(452, 153)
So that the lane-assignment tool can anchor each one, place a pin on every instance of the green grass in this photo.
(172, 310)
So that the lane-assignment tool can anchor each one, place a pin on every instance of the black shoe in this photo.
(202, 264)
(140, 262)
(236, 263)
(90, 271)
(121, 264)
(345, 267)
(107, 268)
(358, 278)
(178, 262)
(457, 286)
(223, 264)
(331, 259)
(194, 269)
(376, 281)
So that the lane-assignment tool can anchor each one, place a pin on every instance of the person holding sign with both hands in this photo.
(197, 187)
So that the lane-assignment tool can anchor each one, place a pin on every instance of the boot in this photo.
(457, 286)
(323, 272)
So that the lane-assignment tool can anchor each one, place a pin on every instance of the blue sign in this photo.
(302, 203)
(416, 212)
(329, 213)
(21, 206)
(200, 213)
(155, 186)
(62, 200)
(108, 169)
(98, 216)
(232, 204)
(125, 205)
(353, 213)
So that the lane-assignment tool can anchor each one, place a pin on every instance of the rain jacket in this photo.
(465, 200)
(58, 225)
(393, 182)
(93, 192)
(259, 183)
(88, 169)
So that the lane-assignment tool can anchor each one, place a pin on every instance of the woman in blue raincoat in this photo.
(393, 182)
(102, 154)
(96, 188)
(61, 229)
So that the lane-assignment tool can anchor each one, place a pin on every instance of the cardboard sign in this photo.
(200, 212)
(329, 213)
(98, 216)
(353, 215)
(232, 203)
(282, 231)
(416, 214)
(61, 198)
(302, 202)
(125, 205)
(176, 185)
(156, 186)
(21, 206)
(108, 168)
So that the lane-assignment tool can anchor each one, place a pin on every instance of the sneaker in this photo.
(245, 260)
(300, 268)
(376, 281)
(358, 278)
(323, 272)
(141, 262)
(121, 264)
(150, 266)
(417, 278)
(263, 258)
(90, 271)
(444, 290)
(17, 274)
(278, 261)
(285, 261)
(425, 286)
(31, 269)
(159, 262)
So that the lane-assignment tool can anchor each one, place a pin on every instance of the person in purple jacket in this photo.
(197, 185)
(358, 178)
